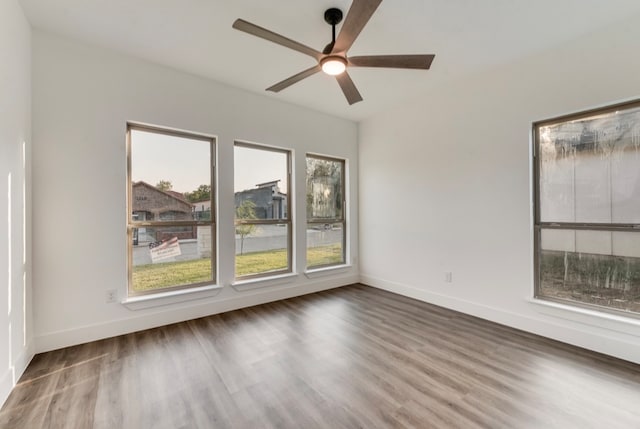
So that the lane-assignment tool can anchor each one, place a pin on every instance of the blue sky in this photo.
(185, 162)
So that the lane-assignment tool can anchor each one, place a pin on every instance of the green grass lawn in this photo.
(324, 255)
(260, 262)
(156, 276)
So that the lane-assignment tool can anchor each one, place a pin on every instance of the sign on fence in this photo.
(164, 249)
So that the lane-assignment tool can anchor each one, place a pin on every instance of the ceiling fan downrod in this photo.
(332, 17)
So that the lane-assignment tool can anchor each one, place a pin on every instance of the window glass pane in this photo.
(171, 256)
(171, 181)
(260, 183)
(168, 175)
(324, 188)
(590, 169)
(261, 249)
(593, 267)
(261, 195)
(325, 244)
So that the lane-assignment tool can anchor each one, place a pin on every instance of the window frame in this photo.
(539, 225)
(288, 221)
(323, 221)
(134, 225)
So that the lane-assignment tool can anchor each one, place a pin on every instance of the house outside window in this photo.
(168, 246)
(587, 209)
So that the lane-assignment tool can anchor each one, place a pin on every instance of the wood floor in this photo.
(353, 357)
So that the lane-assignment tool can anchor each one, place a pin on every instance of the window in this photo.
(170, 178)
(262, 178)
(587, 211)
(326, 227)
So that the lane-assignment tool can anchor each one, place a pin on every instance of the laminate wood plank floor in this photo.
(352, 357)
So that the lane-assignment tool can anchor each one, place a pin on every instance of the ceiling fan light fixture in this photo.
(332, 60)
(333, 65)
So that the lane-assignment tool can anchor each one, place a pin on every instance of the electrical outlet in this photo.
(112, 296)
(448, 277)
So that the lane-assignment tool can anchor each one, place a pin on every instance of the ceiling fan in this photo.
(333, 59)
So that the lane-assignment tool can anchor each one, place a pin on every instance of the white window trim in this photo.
(141, 302)
(585, 316)
(313, 273)
(260, 282)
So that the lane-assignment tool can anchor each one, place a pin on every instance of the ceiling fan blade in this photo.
(295, 78)
(393, 61)
(348, 88)
(359, 14)
(254, 30)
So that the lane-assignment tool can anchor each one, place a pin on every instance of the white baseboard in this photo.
(6, 384)
(69, 337)
(13, 374)
(622, 345)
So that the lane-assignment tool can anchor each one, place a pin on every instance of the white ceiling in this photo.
(467, 36)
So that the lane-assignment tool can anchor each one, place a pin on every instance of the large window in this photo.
(171, 234)
(587, 219)
(326, 227)
(262, 178)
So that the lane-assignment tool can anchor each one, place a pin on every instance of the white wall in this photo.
(15, 130)
(84, 96)
(445, 185)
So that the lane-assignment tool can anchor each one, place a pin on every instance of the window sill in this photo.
(250, 284)
(586, 316)
(326, 271)
(171, 297)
